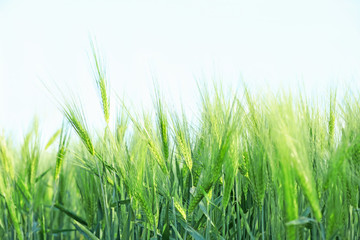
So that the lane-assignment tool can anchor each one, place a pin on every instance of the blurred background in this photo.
(265, 44)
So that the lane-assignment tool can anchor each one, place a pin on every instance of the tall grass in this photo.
(250, 167)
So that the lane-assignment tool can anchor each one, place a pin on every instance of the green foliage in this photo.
(249, 167)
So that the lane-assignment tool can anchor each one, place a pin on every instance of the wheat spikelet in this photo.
(63, 144)
(75, 116)
(5, 159)
(101, 84)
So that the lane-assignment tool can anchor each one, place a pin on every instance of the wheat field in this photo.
(274, 166)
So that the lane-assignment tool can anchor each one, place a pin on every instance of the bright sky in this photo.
(264, 43)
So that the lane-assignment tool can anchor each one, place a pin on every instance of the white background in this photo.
(266, 44)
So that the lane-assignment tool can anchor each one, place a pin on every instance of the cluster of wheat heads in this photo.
(250, 167)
